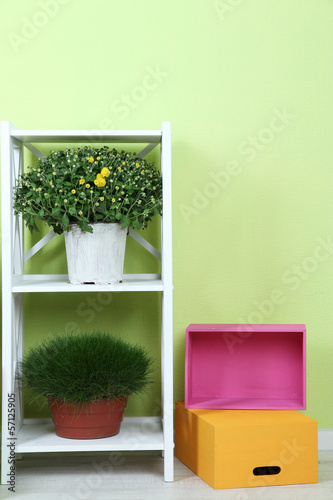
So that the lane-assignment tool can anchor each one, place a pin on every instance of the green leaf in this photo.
(56, 212)
(33, 224)
(57, 228)
(65, 220)
(125, 221)
(84, 227)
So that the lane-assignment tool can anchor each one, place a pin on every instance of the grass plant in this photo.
(83, 368)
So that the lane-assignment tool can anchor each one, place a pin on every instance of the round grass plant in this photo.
(79, 369)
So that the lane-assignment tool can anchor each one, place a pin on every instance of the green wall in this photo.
(247, 86)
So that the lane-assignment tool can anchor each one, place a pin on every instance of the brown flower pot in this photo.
(95, 420)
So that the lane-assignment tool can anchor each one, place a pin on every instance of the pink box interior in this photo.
(245, 367)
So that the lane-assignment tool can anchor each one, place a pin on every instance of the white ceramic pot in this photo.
(96, 257)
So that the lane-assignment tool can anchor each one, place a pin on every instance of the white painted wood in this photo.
(42, 283)
(137, 433)
(138, 238)
(18, 244)
(146, 150)
(87, 136)
(167, 304)
(18, 333)
(34, 150)
(325, 439)
(7, 273)
(142, 276)
(39, 245)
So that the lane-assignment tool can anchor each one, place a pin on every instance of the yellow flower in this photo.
(99, 176)
(117, 188)
(113, 200)
(90, 159)
(105, 172)
(87, 186)
(98, 157)
(82, 181)
(101, 199)
(73, 191)
(100, 182)
(119, 168)
(124, 162)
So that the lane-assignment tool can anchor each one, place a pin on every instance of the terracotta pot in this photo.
(92, 421)
(96, 257)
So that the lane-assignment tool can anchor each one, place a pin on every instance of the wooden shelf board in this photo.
(87, 136)
(59, 283)
(136, 433)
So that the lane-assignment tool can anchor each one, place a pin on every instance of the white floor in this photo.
(140, 477)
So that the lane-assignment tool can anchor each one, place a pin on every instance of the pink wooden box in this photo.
(258, 367)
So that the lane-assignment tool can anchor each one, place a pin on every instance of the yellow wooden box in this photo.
(244, 448)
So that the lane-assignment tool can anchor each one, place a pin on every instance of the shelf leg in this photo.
(12, 305)
(11, 395)
(167, 386)
(167, 304)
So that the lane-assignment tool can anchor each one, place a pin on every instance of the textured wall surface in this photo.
(247, 86)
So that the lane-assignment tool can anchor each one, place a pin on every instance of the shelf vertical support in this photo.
(12, 259)
(18, 245)
(167, 304)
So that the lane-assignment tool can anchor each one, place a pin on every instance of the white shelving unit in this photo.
(33, 436)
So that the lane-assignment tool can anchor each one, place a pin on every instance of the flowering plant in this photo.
(85, 185)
